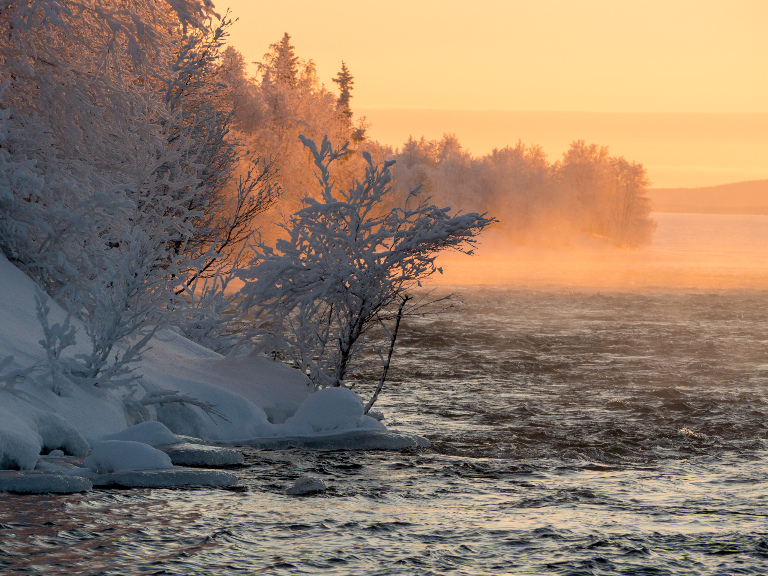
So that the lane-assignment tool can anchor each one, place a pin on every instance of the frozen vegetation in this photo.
(190, 257)
(74, 437)
(128, 202)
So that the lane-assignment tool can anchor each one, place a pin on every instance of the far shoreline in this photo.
(677, 149)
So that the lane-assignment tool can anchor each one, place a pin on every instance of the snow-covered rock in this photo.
(330, 410)
(200, 455)
(304, 486)
(168, 478)
(26, 431)
(152, 433)
(34, 482)
(124, 456)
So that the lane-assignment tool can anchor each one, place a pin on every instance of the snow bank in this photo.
(187, 391)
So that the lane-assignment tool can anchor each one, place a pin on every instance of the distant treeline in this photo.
(587, 192)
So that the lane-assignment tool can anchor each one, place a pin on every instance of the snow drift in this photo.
(252, 400)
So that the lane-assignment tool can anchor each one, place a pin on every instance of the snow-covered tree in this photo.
(346, 273)
(281, 65)
(608, 193)
(588, 192)
(118, 173)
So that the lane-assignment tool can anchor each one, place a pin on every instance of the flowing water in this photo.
(572, 433)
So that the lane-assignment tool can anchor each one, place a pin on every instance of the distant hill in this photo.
(750, 197)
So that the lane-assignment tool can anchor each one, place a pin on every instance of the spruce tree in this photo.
(346, 81)
(282, 64)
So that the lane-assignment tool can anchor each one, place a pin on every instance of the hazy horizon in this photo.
(673, 86)
(686, 150)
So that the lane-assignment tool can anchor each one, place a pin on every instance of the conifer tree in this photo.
(346, 81)
(281, 65)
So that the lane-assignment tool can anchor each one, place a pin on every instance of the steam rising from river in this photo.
(688, 251)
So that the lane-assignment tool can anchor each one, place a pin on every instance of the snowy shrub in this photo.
(118, 191)
(344, 276)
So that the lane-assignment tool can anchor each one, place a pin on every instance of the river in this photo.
(574, 431)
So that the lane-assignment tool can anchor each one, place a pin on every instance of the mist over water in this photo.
(688, 252)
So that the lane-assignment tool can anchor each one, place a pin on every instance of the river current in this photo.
(572, 433)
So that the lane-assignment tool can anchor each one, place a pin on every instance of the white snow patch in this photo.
(123, 456)
(152, 433)
(330, 410)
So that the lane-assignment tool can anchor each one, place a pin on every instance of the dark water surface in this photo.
(572, 433)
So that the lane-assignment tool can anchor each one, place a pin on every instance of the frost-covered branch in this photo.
(347, 264)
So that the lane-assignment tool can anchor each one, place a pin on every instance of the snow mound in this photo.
(122, 456)
(19, 444)
(304, 486)
(26, 431)
(151, 433)
(198, 455)
(42, 482)
(58, 434)
(330, 410)
(184, 389)
(350, 440)
(168, 478)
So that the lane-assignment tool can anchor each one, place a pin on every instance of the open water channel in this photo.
(573, 432)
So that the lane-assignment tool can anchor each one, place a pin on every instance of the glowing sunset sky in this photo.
(600, 56)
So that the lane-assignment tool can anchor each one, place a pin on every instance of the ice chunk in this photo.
(330, 410)
(122, 456)
(199, 455)
(34, 482)
(304, 486)
(168, 478)
(152, 433)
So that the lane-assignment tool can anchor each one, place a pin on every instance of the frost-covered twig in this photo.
(56, 338)
(160, 397)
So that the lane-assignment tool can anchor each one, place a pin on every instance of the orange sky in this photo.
(614, 56)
